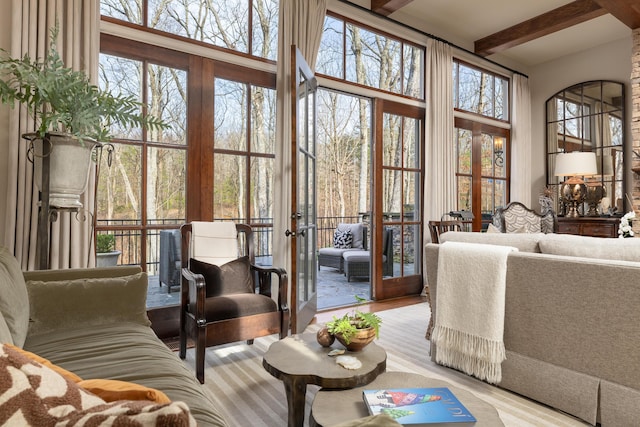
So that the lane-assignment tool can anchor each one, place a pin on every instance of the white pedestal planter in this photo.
(69, 167)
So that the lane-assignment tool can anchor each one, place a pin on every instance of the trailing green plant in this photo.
(61, 99)
(349, 324)
(105, 243)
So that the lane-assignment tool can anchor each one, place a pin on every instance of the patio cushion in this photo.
(357, 232)
(356, 256)
(334, 251)
(342, 239)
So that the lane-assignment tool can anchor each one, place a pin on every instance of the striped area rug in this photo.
(249, 396)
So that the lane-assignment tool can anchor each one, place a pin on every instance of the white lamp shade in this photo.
(577, 163)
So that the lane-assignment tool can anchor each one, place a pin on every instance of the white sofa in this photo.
(572, 321)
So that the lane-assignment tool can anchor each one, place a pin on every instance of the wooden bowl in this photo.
(359, 341)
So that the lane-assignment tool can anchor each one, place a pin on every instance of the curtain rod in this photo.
(424, 33)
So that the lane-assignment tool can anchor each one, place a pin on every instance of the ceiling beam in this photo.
(542, 25)
(626, 11)
(387, 7)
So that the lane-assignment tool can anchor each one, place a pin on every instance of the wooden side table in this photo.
(299, 360)
(332, 407)
(589, 226)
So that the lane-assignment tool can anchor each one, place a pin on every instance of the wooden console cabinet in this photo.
(589, 226)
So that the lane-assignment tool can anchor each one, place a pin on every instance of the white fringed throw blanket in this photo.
(469, 322)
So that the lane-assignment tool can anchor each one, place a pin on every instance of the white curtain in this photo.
(521, 141)
(440, 183)
(300, 23)
(78, 43)
(440, 154)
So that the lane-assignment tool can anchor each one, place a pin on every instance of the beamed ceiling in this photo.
(526, 31)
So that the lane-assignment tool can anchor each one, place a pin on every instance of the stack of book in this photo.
(410, 406)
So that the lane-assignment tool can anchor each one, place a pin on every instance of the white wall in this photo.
(611, 61)
(5, 35)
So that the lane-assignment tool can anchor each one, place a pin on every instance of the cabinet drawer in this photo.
(597, 230)
(569, 228)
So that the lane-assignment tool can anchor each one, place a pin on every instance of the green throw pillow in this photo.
(81, 303)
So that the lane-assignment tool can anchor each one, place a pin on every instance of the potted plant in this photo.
(71, 114)
(106, 253)
(355, 329)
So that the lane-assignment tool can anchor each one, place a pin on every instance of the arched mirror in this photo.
(589, 117)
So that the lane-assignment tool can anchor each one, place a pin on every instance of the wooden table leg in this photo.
(296, 391)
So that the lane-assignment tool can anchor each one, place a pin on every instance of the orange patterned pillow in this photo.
(67, 374)
(35, 395)
(112, 390)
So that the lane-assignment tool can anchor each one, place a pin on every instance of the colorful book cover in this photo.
(418, 405)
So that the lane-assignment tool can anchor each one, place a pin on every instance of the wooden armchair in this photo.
(436, 228)
(219, 303)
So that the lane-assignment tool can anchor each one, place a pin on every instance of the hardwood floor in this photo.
(322, 316)
(374, 306)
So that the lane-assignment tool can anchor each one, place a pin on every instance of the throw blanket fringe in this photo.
(469, 323)
(474, 355)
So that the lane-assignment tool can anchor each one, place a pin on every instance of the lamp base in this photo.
(573, 192)
(595, 192)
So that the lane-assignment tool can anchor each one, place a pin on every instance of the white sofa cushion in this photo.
(591, 247)
(525, 242)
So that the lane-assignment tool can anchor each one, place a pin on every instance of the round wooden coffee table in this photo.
(299, 360)
(332, 407)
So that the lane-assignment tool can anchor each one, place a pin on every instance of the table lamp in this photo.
(575, 165)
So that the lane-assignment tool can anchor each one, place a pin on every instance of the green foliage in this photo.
(105, 243)
(63, 100)
(349, 324)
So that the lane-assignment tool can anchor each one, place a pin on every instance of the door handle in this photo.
(290, 233)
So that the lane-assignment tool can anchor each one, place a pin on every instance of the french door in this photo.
(304, 301)
(482, 171)
(398, 204)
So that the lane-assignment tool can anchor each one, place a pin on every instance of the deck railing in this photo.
(129, 240)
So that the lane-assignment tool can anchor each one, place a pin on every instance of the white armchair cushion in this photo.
(214, 242)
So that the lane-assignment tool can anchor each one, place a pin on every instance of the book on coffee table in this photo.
(418, 405)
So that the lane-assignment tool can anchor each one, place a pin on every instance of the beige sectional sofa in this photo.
(572, 321)
(93, 322)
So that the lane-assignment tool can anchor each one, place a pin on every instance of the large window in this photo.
(246, 26)
(244, 156)
(215, 162)
(356, 54)
(142, 187)
(480, 92)
(482, 150)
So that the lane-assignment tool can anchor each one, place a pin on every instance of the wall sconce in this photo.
(575, 165)
(498, 151)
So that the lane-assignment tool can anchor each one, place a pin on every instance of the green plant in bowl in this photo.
(348, 326)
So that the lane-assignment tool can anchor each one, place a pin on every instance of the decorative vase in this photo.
(69, 167)
(324, 338)
(358, 341)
